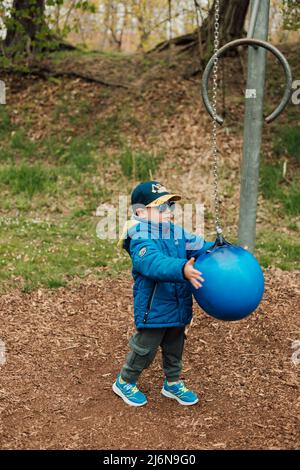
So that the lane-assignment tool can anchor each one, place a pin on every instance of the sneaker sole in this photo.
(120, 394)
(170, 395)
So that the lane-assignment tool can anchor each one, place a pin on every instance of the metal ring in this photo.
(249, 42)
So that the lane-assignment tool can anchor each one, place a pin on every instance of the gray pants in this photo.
(144, 345)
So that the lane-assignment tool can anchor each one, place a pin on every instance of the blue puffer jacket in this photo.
(159, 251)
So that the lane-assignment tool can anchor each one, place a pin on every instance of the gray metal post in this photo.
(254, 13)
(253, 128)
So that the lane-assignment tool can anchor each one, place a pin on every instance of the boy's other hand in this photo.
(192, 274)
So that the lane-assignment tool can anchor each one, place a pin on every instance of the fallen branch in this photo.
(46, 72)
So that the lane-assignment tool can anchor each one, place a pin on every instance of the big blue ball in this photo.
(234, 283)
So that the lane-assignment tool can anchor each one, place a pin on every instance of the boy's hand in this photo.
(192, 274)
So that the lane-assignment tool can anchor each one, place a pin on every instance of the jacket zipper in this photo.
(150, 303)
(178, 303)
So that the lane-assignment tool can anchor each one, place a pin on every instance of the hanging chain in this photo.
(214, 108)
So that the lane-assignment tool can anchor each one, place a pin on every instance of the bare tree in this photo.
(232, 18)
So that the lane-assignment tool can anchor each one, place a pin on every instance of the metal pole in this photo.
(253, 128)
(254, 12)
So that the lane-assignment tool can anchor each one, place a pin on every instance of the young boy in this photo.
(163, 256)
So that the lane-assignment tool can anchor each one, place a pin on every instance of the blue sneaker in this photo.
(129, 393)
(179, 391)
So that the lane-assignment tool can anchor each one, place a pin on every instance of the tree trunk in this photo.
(27, 30)
(26, 23)
(232, 18)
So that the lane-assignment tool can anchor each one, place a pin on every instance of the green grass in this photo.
(109, 130)
(77, 110)
(280, 173)
(63, 170)
(278, 249)
(279, 189)
(270, 179)
(80, 52)
(37, 253)
(16, 145)
(79, 149)
(29, 179)
(287, 142)
(78, 152)
(58, 56)
(5, 123)
(22, 146)
(291, 203)
(25, 163)
(6, 128)
(138, 165)
(60, 178)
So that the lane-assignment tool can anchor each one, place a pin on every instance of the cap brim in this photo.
(165, 198)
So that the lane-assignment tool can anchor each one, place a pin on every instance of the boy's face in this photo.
(152, 213)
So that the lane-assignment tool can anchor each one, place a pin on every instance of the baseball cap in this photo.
(151, 194)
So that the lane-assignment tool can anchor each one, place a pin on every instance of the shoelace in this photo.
(182, 389)
(132, 389)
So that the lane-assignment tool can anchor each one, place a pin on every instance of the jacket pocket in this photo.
(150, 302)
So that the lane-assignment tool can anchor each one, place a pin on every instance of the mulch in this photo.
(64, 348)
